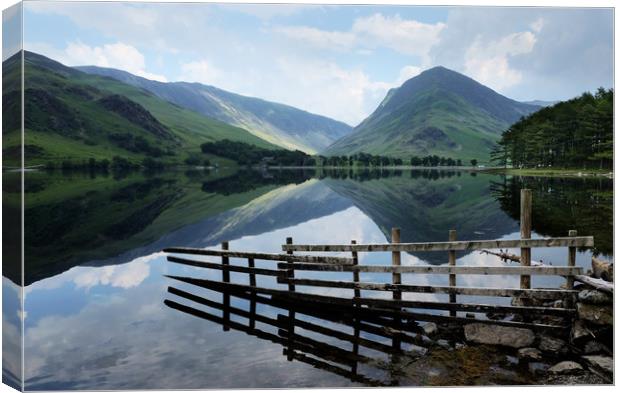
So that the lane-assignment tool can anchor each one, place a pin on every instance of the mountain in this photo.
(74, 116)
(437, 112)
(279, 124)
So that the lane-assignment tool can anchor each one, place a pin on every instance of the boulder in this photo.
(593, 347)
(537, 368)
(580, 332)
(499, 335)
(529, 354)
(593, 296)
(430, 328)
(552, 345)
(599, 315)
(445, 344)
(566, 367)
(602, 269)
(604, 364)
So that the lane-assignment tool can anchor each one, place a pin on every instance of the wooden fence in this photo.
(397, 308)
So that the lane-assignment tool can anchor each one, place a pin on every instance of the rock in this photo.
(552, 344)
(499, 335)
(529, 354)
(593, 347)
(599, 315)
(537, 368)
(580, 332)
(430, 328)
(443, 344)
(566, 367)
(602, 269)
(593, 296)
(604, 364)
(458, 346)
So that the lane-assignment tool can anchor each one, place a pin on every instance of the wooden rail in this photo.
(424, 269)
(259, 255)
(583, 241)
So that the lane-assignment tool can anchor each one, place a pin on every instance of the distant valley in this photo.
(282, 125)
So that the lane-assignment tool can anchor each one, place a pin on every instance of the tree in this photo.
(474, 162)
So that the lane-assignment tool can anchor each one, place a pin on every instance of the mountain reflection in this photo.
(97, 219)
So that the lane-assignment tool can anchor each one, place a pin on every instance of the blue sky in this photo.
(337, 61)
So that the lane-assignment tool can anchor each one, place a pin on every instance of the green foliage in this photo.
(573, 134)
(246, 154)
(473, 162)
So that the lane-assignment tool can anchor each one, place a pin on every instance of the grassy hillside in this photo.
(438, 112)
(74, 116)
(279, 124)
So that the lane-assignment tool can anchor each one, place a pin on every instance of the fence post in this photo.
(226, 296)
(290, 274)
(452, 262)
(356, 328)
(572, 259)
(526, 233)
(396, 279)
(253, 293)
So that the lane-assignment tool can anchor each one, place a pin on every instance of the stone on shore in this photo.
(529, 354)
(566, 367)
(600, 363)
(599, 315)
(593, 296)
(430, 329)
(552, 344)
(602, 269)
(499, 335)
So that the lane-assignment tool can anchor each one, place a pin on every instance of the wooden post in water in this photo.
(226, 296)
(291, 314)
(253, 301)
(396, 279)
(356, 328)
(356, 273)
(572, 259)
(526, 233)
(452, 262)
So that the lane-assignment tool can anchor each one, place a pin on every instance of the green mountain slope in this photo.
(280, 124)
(74, 116)
(437, 112)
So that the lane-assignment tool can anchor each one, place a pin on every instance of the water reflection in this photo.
(95, 317)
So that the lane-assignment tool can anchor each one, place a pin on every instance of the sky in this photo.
(337, 61)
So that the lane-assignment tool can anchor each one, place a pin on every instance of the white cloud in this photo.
(201, 71)
(117, 55)
(537, 25)
(331, 90)
(488, 62)
(332, 40)
(406, 36)
(121, 276)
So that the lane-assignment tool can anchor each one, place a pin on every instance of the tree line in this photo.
(577, 133)
(246, 154)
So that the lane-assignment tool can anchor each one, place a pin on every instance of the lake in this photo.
(95, 279)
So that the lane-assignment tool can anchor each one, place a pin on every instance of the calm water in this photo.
(95, 316)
